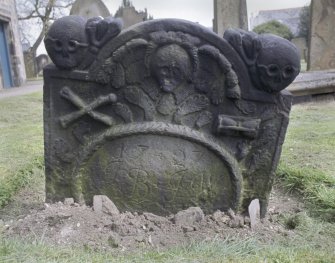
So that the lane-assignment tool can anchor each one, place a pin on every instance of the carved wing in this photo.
(216, 76)
(120, 67)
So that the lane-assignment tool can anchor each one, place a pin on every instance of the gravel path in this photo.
(28, 87)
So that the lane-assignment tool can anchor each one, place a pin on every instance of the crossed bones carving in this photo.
(86, 108)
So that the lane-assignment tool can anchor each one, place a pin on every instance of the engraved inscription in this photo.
(150, 171)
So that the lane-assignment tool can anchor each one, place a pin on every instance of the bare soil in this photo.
(80, 226)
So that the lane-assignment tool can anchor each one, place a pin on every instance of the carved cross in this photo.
(85, 108)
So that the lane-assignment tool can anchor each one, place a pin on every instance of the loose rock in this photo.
(157, 220)
(220, 217)
(237, 221)
(189, 216)
(68, 201)
(102, 204)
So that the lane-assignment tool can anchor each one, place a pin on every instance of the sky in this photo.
(199, 10)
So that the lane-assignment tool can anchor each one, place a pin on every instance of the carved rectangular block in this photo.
(238, 126)
(165, 115)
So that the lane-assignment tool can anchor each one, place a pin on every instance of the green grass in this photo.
(308, 157)
(310, 139)
(213, 251)
(233, 249)
(21, 140)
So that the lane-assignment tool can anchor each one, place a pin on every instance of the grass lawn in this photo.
(21, 140)
(307, 163)
(310, 143)
(306, 168)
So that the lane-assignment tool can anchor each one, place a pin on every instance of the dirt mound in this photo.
(71, 224)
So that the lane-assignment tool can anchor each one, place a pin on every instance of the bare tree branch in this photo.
(39, 14)
(28, 17)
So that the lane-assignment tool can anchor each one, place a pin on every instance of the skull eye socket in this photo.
(72, 45)
(273, 69)
(58, 45)
(288, 71)
(176, 71)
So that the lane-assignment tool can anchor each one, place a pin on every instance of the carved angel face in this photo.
(66, 41)
(171, 66)
(277, 64)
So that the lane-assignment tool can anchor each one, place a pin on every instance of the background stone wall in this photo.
(322, 37)
(289, 17)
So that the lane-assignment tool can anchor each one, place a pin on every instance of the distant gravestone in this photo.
(322, 37)
(165, 115)
(229, 14)
(89, 8)
(30, 65)
(301, 44)
(41, 61)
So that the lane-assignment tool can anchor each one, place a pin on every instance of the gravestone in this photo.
(41, 61)
(322, 37)
(89, 8)
(165, 115)
(301, 44)
(229, 14)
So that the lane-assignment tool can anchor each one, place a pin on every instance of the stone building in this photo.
(12, 71)
(289, 17)
(89, 8)
(126, 11)
(129, 15)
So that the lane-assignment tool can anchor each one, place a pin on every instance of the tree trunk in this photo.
(30, 63)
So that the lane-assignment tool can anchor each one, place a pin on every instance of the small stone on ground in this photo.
(189, 216)
(102, 204)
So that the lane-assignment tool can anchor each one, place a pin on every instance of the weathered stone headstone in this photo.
(229, 14)
(165, 115)
(89, 8)
(322, 37)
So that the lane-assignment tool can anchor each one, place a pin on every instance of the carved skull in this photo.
(66, 42)
(171, 66)
(278, 63)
